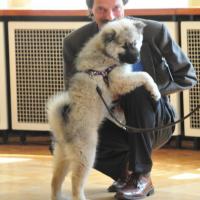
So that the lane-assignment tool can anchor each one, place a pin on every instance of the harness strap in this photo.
(104, 73)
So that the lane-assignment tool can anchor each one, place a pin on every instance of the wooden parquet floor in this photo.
(25, 174)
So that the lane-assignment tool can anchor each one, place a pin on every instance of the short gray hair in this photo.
(90, 3)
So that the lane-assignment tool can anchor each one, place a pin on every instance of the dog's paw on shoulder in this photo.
(151, 86)
(156, 94)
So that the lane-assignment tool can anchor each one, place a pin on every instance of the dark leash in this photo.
(131, 129)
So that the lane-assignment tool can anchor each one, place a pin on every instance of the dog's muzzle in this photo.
(130, 56)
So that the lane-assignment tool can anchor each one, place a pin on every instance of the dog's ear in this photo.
(139, 25)
(109, 36)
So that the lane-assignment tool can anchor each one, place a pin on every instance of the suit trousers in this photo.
(117, 147)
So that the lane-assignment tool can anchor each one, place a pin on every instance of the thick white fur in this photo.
(76, 132)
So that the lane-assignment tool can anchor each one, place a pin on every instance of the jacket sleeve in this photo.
(181, 72)
(69, 54)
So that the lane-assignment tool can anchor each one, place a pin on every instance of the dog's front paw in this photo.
(155, 93)
(151, 86)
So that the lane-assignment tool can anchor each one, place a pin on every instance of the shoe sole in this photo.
(114, 189)
(151, 192)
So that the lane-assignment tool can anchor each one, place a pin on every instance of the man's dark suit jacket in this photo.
(161, 57)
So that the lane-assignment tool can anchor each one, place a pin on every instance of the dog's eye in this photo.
(134, 43)
(129, 45)
(109, 37)
(126, 45)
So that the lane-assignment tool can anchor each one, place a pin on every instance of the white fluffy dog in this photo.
(75, 115)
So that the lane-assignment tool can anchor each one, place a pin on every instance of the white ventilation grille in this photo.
(36, 60)
(190, 32)
(175, 98)
(3, 91)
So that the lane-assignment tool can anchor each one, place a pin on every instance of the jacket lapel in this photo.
(147, 60)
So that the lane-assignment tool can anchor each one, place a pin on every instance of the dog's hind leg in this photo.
(79, 176)
(80, 173)
(61, 168)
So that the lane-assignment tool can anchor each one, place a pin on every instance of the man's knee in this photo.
(139, 98)
(140, 93)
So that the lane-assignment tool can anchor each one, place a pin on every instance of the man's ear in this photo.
(139, 25)
(109, 36)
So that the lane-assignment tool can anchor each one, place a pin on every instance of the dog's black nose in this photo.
(130, 57)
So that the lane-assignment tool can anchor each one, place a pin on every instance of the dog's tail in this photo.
(58, 108)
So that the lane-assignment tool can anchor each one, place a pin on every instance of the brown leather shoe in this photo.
(122, 181)
(138, 187)
(117, 185)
